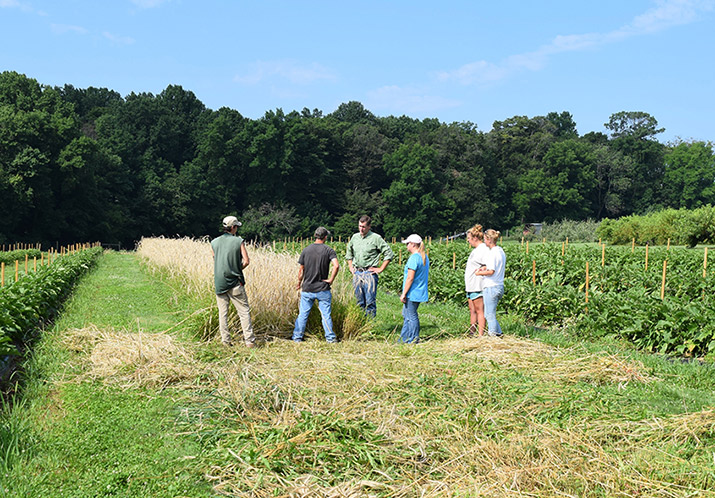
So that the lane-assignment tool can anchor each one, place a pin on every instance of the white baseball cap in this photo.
(231, 221)
(414, 238)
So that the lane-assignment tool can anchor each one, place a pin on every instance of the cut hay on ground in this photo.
(134, 357)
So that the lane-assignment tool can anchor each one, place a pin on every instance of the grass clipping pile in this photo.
(271, 277)
(131, 358)
(445, 419)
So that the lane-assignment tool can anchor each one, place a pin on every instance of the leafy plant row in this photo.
(9, 257)
(547, 287)
(35, 298)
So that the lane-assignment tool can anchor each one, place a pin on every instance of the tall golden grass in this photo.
(271, 280)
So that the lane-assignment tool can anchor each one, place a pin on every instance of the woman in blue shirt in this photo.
(414, 288)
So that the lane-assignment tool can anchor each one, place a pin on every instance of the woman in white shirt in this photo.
(493, 281)
(472, 282)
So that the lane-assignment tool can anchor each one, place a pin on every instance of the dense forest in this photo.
(91, 165)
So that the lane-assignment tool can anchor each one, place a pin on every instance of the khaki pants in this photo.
(238, 297)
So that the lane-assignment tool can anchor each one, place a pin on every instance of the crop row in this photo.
(30, 301)
(9, 257)
(546, 284)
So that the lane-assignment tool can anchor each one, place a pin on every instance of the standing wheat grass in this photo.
(270, 283)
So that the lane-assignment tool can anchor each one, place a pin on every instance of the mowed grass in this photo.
(85, 437)
(130, 404)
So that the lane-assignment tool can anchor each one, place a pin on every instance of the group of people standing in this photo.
(367, 255)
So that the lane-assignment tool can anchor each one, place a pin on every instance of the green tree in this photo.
(563, 188)
(36, 127)
(689, 179)
(633, 134)
(415, 200)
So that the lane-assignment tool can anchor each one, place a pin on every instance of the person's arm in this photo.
(408, 284)
(387, 256)
(350, 266)
(301, 269)
(487, 267)
(244, 256)
(382, 267)
(334, 273)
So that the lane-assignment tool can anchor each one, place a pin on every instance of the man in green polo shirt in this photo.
(363, 254)
(230, 258)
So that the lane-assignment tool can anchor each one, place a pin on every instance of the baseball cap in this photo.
(414, 238)
(230, 221)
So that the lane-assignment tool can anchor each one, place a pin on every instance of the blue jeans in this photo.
(492, 295)
(411, 327)
(307, 299)
(365, 284)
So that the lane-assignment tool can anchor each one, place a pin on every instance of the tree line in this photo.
(88, 164)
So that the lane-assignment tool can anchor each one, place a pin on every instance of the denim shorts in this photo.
(474, 295)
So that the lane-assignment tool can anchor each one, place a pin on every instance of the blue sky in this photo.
(468, 60)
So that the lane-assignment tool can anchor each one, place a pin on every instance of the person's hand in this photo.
(403, 298)
(375, 270)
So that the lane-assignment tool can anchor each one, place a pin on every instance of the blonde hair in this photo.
(476, 232)
(421, 250)
(492, 235)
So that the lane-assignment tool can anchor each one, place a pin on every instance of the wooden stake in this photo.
(527, 247)
(662, 285)
(17, 267)
(646, 257)
(668, 244)
(705, 263)
(603, 255)
(2, 273)
(633, 245)
(587, 284)
(454, 260)
(533, 271)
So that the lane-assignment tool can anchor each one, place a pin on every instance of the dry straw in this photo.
(270, 284)
(440, 412)
(133, 357)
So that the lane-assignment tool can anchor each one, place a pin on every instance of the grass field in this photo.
(121, 399)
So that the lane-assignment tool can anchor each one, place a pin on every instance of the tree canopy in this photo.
(89, 164)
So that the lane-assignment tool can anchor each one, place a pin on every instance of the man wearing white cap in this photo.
(230, 258)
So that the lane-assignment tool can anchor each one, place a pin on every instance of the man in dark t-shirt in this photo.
(314, 280)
